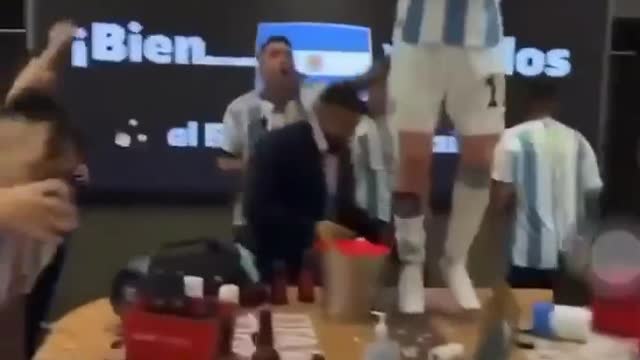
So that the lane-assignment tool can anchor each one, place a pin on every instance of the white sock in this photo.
(411, 293)
(411, 238)
(469, 205)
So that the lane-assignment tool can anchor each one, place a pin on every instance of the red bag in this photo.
(150, 336)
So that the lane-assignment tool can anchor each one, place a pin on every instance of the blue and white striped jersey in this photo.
(463, 23)
(551, 167)
(373, 167)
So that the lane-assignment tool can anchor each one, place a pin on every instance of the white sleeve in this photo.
(503, 161)
(233, 134)
(590, 172)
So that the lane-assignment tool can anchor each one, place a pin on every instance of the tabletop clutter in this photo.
(180, 315)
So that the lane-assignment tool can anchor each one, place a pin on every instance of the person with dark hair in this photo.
(35, 118)
(39, 156)
(545, 188)
(301, 177)
(277, 102)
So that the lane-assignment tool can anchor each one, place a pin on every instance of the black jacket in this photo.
(286, 194)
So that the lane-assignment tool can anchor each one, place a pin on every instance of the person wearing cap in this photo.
(301, 177)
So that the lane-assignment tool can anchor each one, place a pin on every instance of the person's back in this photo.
(545, 188)
(552, 166)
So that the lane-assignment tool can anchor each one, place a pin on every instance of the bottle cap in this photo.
(229, 293)
(542, 319)
(194, 287)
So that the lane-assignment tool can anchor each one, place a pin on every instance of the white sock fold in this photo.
(411, 238)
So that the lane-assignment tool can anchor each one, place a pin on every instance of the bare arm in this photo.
(42, 71)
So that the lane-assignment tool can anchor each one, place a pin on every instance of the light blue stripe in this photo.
(455, 22)
(371, 178)
(530, 182)
(492, 37)
(413, 22)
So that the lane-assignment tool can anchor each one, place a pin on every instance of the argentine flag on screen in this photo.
(324, 52)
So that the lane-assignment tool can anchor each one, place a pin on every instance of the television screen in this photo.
(149, 81)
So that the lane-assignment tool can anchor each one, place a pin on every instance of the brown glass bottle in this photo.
(279, 284)
(317, 357)
(306, 285)
(226, 339)
(264, 341)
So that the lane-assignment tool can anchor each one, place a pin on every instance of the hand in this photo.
(41, 72)
(328, 230)
(41, 211)
(61, 34)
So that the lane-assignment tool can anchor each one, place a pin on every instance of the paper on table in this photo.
(295, 338)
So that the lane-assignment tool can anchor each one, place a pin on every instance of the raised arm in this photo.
(41, 72)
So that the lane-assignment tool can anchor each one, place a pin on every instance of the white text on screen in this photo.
(113, 43)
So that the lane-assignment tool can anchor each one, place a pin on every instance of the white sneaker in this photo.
(458, 281)
(411, 293)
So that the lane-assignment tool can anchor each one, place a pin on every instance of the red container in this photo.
(620, 317)
(150, 336)
(616, 303)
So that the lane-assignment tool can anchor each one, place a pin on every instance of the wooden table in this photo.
(87, 332)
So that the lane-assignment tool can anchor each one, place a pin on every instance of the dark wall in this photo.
(110, 236)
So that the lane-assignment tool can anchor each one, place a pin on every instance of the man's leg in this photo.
(470, 200)
(475, 102)
(410, 205)
(415, 88)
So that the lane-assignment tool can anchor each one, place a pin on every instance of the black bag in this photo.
(208, 258)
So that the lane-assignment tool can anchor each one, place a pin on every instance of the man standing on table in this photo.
(446, 53)
(259, 111)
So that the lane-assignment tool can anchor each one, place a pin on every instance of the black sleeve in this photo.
(263, 191)
(359, 221)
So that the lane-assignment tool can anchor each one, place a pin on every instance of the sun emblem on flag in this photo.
(314, 62)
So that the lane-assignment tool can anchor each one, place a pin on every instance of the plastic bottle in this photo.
(228, 300)
(382, 348)
(561, 322)
(194, 291)
(264, 341)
